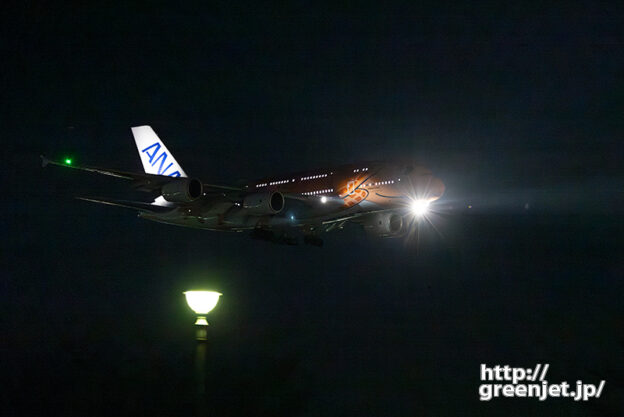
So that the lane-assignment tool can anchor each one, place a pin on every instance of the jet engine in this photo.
(182, 190)
(260, 204)
(385, 224)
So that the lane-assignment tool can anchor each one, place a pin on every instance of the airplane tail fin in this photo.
(155, 156)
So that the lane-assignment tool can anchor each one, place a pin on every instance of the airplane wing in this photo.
(135, 205)
(142, 182)
(293, 196)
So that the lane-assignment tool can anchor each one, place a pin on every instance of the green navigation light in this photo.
(68, 161)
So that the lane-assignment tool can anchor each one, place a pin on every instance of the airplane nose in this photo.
(436, 188)
(428, 187)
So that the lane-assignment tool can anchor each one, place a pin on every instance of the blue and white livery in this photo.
(155, 156)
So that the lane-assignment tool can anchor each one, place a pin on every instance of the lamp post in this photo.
(201, 302)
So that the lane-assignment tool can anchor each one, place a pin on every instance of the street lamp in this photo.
(202, 303)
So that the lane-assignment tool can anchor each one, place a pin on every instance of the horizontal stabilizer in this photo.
(135, 205)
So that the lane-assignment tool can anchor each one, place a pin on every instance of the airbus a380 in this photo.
(384, 198)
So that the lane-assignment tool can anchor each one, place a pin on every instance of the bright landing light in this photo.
(202, 302)
(419, 207)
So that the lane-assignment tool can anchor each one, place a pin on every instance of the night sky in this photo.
(517, 109)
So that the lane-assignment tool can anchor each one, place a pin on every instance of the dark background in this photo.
(518, 109)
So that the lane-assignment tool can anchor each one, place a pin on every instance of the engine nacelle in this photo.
(182, 190)
(385, 224)
(260, 204)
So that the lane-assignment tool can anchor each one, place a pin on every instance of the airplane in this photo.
(385, 198)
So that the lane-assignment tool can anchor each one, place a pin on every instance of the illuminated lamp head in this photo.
(202, 302)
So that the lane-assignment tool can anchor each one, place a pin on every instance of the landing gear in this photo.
(313, 240)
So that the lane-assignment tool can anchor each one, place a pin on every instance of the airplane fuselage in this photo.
(312, 197)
